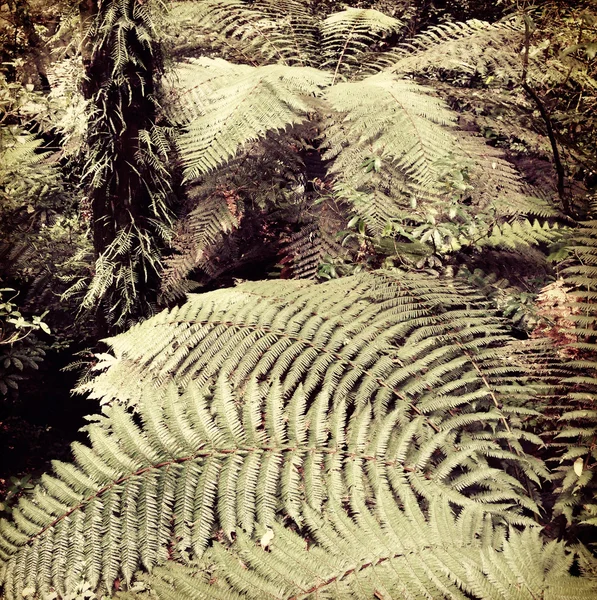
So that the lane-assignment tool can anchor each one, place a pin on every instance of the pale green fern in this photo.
(358, 558)
(263, 405)
(386, 140)
(471, 48)
(347, 35)
(390, 121)
(230, 105)
(255, 33)
(523, 233)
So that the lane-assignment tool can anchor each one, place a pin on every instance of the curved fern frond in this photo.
(264, 402)
(359, 558)
(348, 34)
(472, 48)
(225, 106)
(144, 494)
(244, 334)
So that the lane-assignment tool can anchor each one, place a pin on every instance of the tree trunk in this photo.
(128, 195)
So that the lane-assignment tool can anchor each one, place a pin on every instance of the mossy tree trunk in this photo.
(126, 174)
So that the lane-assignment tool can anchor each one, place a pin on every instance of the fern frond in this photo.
(359, 558)
(470, 48)
(315, 242)
(392, 121)
(293, 398)
(295, 18)
(498, 114)
(348, 34)
(302, 351)
(225, 106)
(391, 142)
(256, 33)
(498, 184)
(523, 233)
(213, 464)
(17, 147)
(26, 172)
(116, 277)
(211, 218)
(577, 485)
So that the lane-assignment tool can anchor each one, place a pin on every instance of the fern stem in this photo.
(348, 38)
(339, 577)
(486, 384)
(243, 450)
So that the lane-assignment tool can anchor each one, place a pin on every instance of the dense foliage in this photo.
(405, 407)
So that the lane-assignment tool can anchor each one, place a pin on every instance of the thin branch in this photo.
(546, 119)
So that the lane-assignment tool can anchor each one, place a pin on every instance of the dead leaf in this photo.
(266, 539)
(578, 465)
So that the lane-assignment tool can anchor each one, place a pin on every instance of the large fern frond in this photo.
(393, 144)
(359, 558)
(379, 371)
(225, 106)
(384, 119)
(367, 384)
(472, 48)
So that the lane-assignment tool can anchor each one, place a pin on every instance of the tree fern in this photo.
(390, 143)
(259, 403)
(126, 173)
